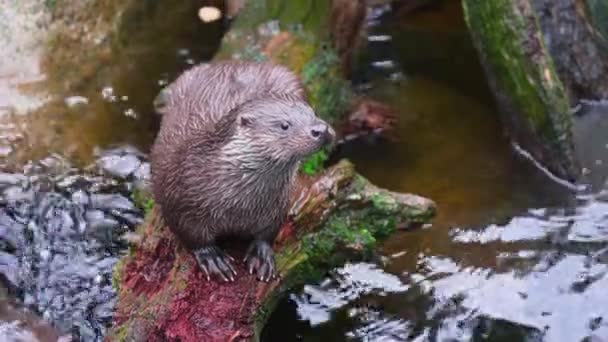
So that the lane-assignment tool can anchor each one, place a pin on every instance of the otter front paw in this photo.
(213, 260)
(260, 258)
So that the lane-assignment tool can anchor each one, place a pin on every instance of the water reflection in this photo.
(512, 256)
(546, 280)
(97, 88)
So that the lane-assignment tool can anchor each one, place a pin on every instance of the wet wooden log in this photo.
(335, 214)
(522, 74)
(164, 296)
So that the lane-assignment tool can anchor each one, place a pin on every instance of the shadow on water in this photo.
(511, 256)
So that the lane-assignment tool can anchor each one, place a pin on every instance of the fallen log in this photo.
(164, 296)
(335, 214)
(534, 92)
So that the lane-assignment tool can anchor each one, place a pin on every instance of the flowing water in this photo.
(512, 255)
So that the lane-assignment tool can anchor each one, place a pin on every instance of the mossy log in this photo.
(521, 71)
(335, 213)
(163, 296)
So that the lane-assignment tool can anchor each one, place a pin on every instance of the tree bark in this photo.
(522, 73)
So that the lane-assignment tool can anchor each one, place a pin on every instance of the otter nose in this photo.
(322, 131)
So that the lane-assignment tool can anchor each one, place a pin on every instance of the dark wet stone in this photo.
(68, 181)
(594, 338)
(131, 219)
(488, 329)
(595, 323)
(61, 231)
(80, 197)
(9, 240)
(9, 268)
(10, 233)
(97, 220)
(67, 229)
(112, 202)
(143, 172)
(17, 193)
(85, 332)
(105, 309)
(119, 166)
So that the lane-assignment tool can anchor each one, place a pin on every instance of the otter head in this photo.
(282, 128)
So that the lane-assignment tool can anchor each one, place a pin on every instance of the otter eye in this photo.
(284, 126)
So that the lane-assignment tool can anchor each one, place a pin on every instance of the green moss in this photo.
(149, 205)
(357, 231)
(297, 16)
(315, 163)
(383, 202)
(117, 274)
(346, 236)
(50, 4)
(502, 30)
(121, 334)
(508, 36)
(329, 92)
(310, 52)
(141, 197)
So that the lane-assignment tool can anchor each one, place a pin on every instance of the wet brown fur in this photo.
(208, 181)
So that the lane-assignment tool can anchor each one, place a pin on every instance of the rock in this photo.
(130, 219)
(368, 117)
(143, 172)
(9, 269)
(10, 237)
(120, 166)
(108, 202)
(80, 197)
(17, 193)
(97, 220)
(63, 262)
(12, 179)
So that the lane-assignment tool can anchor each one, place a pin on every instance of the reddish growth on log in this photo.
(198, 311)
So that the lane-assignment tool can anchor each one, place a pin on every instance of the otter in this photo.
(226, 156)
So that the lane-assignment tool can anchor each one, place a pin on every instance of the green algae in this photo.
(508, 37)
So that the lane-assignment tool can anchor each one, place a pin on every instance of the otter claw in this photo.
(213, 261)
(260, 258)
